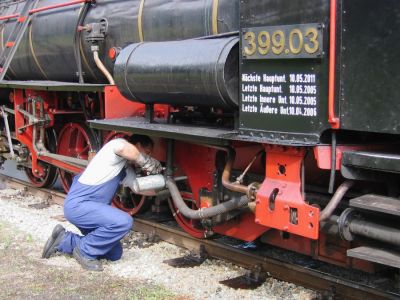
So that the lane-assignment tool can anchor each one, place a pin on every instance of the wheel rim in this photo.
(74, 140)
(50, 172)
(49, 177)
(192, 227)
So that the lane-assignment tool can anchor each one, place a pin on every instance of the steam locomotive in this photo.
(276, 119)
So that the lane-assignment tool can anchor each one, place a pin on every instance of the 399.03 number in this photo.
(277, 42)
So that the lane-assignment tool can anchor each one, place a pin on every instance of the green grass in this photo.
(151, 293)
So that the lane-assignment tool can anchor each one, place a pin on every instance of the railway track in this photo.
(331, 287)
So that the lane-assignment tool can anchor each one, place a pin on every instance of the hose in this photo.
(102, 68)
(203, 213)
(334, 202)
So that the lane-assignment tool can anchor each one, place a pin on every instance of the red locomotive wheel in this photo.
(50, 172)
(125, 199)
(115, 135)
(75, 140)
(192, 227)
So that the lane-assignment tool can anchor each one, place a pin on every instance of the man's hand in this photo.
(149, 164)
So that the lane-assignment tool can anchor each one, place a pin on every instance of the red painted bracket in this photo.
(26, 136)
(10, 44)
(21, 19)
(279, 202)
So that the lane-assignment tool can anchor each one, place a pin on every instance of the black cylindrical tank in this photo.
(47, 49)
(196, 72)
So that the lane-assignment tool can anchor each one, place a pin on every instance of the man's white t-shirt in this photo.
(105, 165)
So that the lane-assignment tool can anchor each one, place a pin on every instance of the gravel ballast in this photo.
(144, 264)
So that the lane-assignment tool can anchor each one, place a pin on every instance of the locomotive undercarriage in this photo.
(226, 185)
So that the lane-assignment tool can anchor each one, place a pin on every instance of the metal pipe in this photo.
(334, 202)
(203, 213)
(102, 68)
(233, 186)
(375, 231)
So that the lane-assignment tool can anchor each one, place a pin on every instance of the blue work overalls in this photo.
(103, 226)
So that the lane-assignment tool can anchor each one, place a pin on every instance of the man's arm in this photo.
(127, 151)
(146, 162)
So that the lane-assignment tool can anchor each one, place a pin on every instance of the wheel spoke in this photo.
(69, 139)
(83, 151)
(75, 140)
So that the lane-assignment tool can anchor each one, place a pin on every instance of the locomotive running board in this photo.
(197, 134)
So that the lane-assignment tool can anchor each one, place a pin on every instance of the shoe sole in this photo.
(51, 241)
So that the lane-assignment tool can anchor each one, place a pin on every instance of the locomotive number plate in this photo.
(282, 42)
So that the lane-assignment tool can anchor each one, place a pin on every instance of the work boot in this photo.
(87, 263)
(54, 241)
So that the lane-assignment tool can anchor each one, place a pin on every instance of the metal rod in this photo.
(76, 161)
(375, 231)
(240, 178)
(13, 16)
(44, 8)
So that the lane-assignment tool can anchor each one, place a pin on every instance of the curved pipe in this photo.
(102, 68)
(203, 213)
(334, 202)
(233, 186)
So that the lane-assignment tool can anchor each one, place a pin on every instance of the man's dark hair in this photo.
(144, 140)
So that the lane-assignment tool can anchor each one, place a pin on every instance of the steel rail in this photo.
(308, 278)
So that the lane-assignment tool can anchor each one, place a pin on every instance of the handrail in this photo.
(332, 119)
(44, 8)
